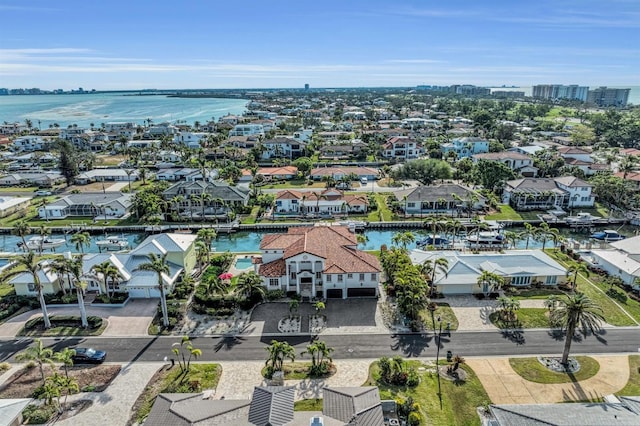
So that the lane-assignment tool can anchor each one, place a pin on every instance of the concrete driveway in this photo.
(132, 320)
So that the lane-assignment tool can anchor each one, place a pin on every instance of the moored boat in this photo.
(113, 243)
(43, 243)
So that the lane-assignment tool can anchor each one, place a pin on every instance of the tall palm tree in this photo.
(207, 235)
(435, 266)
(158, 264)
(203, 198)
(43, 231)
(576, 312)
(37, 353)
(22, 229)
(61, 266)
(250, 283)
(65, 356)
(529, 232)
(278, 352)
(28, 263)
(545, 232)
(403, 239)
(574, 270)
(81, 240)
(75, 268)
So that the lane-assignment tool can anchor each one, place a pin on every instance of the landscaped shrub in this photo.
(116, 299)
(38, 414)
(183, 289)
(4, 366)
(619, 295)
(60, 299)
(275, 294)
(64, 321)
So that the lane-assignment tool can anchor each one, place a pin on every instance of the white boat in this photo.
(113, 243)
(485, 238)
(43, 243)
(582, 218)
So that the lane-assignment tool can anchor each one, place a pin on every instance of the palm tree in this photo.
(81, 239)
(43, 231)
(579, 312)
(22, 229)
(278, 352)
(318, 351)
(65, 356)
(61, 266)
(435, 266)
(544, 231)
(158, 264)
(207, 235)
(574, 270)
(75, 268)
(28, 263)
(403, 239)
(107, 270)
(250, 283)
(39, 354)
(529, 232)
(490, 281)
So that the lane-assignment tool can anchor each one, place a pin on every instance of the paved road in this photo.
(482, 343)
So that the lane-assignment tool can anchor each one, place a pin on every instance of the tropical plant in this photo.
(65, 356)
(75, 268)
(574, 270)
(207, 235)
(435, 266)
(403, 239)
(457, 360)
(545, 232)
(81, 240)
(250, 284)
(38, 354)
(576, 312)
(320, 357)
(489, 282)
(184, 351)
(158, 264)
(21, 229)
(28, 264)
(278, 352)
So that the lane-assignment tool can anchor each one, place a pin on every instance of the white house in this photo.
(49, 280)
(318, 261)
(466, 147)
(622, 260)
(91, 204)
(545, 193)
(30, 143)
(520, 268)
(519, 163)
(247, 130)
(332, 202)
(401, 147)
(107, 175)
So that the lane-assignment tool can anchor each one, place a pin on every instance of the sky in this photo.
(190, 44)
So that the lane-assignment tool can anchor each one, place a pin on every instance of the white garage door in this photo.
(456, 289)
(138, 293)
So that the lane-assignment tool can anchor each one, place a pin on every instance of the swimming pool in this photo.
(243, 263)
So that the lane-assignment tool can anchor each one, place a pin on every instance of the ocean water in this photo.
(102, 108)
(634, 94)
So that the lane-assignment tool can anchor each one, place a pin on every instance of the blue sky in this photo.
(138, 44)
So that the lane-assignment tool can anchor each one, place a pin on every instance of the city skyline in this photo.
(198, 44)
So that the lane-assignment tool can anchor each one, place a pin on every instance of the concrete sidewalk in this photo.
(505, 386)
(132, 320)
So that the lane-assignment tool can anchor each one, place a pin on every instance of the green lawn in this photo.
(459, 400)
(527, 318)
(612, 313)
(445, 313)
(633, 385)
(382, 214)
(532, 370)
(18, 189)
(308, 405)
(251, 219)
(532, 293)
(64, 330)
(506, 213)
(294, 370)
(294, 184)
(205, 376)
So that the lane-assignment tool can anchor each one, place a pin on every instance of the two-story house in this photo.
(545, 193)
(318, 261)
(330, 202)
(466, 147)
(213, 199)
(283, 147)
(401, 147)
(519, 163)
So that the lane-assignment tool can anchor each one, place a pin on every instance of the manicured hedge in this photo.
(64, 321)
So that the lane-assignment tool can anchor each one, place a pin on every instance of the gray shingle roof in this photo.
(349, 403)
(436, 192)
(186, 409)
(272, 405)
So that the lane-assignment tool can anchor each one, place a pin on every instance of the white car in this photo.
(43, 193)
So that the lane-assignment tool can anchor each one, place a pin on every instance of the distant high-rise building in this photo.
(469, 90)
(560, 91)
(306, 86)
(605, 97)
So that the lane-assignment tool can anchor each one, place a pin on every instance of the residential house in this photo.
(107, 175)
(116, 126)
(630, 177)
(92, 204)
(30, 143)
(589, 168)
(466, 147)
(160, 130)
(192, 140)
(72, 131)
(41, 179)
(283, 147)
(338, 173)
(11, 410)
(343, 151)
(215, 199)
(278, 173)
(11, 205)
(247, 130)
(621, 260)
(353, 405)
(442, 198)
(181, 259)
(318, 261)
(548, 193)
(401, 148)
(12, 128)
(330, 202)
(519, 163)
(519, 268)
(49, 280)
(572, 152)
(529, 150)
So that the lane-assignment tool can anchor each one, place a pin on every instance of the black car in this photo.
(88, 355)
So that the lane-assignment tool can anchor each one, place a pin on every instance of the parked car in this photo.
(43, 193)
(89, 356)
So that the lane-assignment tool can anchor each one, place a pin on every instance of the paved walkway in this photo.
(132, 320)
(113, 406)
(117, 187)
(505, 386)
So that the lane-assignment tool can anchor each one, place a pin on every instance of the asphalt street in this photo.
(473, 343)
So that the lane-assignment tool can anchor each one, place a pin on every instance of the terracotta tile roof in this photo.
(286, 170)
(277, 268)
(335, 244)
(502, 155)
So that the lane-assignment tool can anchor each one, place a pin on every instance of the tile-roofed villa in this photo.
(318, 261)
(329, 202)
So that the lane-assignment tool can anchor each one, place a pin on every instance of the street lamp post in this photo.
(439, 335)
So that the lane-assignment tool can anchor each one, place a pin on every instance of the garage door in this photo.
(361, 292)
(334, 293)
(138, 293)
(456, 289)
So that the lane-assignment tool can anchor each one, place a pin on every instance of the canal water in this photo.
(250, 241)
